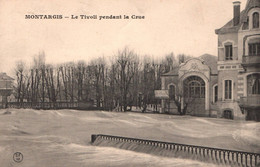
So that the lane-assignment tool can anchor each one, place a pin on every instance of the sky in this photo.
(178, 26)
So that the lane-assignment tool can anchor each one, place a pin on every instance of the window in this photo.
(196, 88)
(172, 92)
(228, 89)
(255, 20)
(254, 49)
(253, 84)
(215, 98)
(228, 52)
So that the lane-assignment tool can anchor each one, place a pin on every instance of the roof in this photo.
(250, 4)
(229, 28)
(4, 76)
(161, 94)
(209, 60)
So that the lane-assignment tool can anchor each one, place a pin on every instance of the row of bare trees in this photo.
(121, 82)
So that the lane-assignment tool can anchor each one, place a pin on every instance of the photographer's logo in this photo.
(18, 157)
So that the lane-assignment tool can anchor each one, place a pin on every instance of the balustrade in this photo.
(240, 157)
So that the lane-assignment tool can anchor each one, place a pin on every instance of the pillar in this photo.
(162, 110)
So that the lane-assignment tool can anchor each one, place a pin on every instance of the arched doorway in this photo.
(194, 95)
(171, 91)
(227, 114)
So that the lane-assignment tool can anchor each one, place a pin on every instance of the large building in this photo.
(228, 87)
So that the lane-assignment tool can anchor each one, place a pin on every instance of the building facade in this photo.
(6, 88)
(191, 83)
(229, 87)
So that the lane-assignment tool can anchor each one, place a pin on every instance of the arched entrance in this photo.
(227, 114)
(194, 93)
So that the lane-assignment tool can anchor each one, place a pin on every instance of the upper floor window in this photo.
(228, 89)
(254, 49)
(256, 20)
(228, 52)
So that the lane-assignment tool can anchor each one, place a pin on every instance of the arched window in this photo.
(172, 92)
(256, 20)
(253, 84)
(215, 93)
(194, 87)
(228, 89)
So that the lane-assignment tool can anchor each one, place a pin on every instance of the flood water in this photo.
(62, 138)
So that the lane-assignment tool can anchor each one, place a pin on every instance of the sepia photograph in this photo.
(129, 83)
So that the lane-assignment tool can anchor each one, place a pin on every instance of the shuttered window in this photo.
(228, 89)
(228, 52)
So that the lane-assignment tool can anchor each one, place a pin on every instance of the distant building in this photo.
(229, 87)
(6, 88)
(195, 80)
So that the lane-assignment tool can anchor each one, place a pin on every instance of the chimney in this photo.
(236, 18)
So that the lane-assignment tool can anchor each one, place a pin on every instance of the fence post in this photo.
(93, 138)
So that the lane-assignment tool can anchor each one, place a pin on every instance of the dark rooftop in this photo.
(209, 60)
(229, 28)
(4, 76)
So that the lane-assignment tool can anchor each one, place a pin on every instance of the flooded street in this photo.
(62, 137)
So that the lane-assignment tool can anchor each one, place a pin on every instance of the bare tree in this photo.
(125, 64)
(19, 71)
(97, 69)
(116, 83)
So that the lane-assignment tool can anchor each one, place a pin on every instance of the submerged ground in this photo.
(61, 138)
